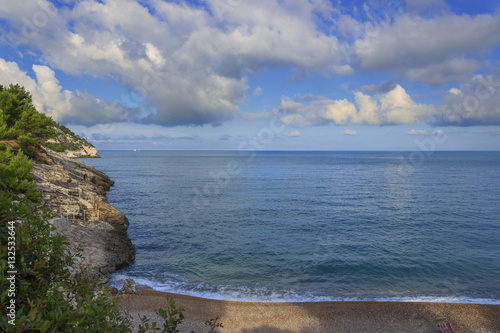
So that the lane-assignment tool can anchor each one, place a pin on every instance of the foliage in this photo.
(19, 117)
(213, 324)
(172, 317)
(20, 121)
(64, 146)
(15, 174)
(46, 297)
(26, 142)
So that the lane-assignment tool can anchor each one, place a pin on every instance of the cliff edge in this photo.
(76, 194)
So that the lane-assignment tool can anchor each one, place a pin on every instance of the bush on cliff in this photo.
(45, 297)
(15, 174)
(21, 122)
(35, 264)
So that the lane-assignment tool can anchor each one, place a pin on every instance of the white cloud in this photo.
(430, 50)
(62, 105)
(457, 69)
(418, 132)
(392, 108)
(294, 134)
(413, 42)
(191, 64)
(477, 102)
(455, 91)
(349, 132)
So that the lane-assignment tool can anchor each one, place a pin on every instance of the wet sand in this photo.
(317, 316)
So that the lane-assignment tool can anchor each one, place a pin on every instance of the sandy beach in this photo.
(318, 316)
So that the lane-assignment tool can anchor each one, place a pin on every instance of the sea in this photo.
(307, 226)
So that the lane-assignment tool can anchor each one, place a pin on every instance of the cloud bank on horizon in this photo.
(178, 64)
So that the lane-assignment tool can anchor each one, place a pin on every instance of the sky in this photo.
(413, 75)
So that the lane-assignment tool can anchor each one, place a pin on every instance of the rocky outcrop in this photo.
(78, 147)
(84, 151)
(129, 287)
(76, 194)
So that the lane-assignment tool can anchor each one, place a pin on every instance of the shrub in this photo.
(15, 174)
(46, 298)
(172, 317)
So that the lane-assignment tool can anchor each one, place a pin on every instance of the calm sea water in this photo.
(311, 226)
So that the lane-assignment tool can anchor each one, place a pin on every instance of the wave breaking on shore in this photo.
(241, 293)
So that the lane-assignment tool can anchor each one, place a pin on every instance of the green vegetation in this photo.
(46, 298)
(35, 265)
(172, 317)
(22, 123)
(19, 120)
(38, 293)
(15, 174)
(60, 143)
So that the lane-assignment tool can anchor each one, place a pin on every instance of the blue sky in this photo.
(262, 74)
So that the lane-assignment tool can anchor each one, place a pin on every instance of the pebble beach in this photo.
(317, 317)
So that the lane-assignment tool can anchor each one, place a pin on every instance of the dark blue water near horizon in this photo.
(311, 226)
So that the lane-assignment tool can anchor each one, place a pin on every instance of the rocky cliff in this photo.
(71, 144)
(76, 194)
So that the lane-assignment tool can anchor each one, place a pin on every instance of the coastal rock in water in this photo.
(128, 287)
(76, 194)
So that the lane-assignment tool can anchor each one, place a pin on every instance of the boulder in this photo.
(128, 287)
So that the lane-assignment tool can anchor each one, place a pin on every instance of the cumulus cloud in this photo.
(477, 102)
(400, 46)
(457, 69)
(392, 108)
(432, 50)
(189, 64)
(455, 91)
(62, 105)
(294, 134)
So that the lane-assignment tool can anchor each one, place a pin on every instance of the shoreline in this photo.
(337, 316)
(297, 298)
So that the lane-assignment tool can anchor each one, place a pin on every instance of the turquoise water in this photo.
(310, 226)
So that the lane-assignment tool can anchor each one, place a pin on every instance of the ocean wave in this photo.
(262, 294)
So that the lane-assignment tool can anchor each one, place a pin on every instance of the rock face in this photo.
(76, 194)
(80, 147)
(84, 151)
(128, 287)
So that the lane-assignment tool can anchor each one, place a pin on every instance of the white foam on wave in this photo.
(247, 294)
